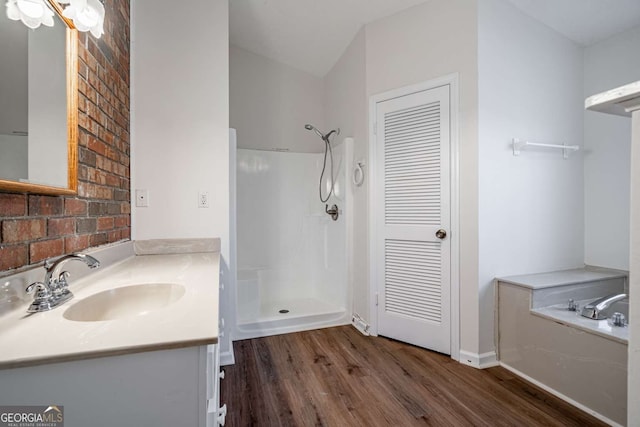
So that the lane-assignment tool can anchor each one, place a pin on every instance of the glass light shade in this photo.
(87, 15)
(32, 13)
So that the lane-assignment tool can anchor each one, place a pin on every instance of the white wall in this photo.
(345, 105)
(285, 238)
(271, 103)
(530, 206)
(276, 192)
(425, 42)
(180, 120)
(607, 142)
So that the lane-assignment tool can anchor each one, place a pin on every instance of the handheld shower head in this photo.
(327, 149)
(313, 128)
(324, 136)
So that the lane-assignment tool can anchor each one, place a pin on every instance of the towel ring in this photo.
(358, 174)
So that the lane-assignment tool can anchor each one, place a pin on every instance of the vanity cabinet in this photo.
(172, 387)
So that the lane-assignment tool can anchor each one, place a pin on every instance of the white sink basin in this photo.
(124, 302)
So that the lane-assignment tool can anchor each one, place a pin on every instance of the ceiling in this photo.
(307, 34)
(312, 34)
(584, 21)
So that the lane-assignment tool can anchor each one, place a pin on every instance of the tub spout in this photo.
(595, 310)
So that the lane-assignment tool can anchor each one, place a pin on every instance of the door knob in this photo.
(441, 234)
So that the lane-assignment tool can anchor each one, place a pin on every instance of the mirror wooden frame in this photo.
(72, 121)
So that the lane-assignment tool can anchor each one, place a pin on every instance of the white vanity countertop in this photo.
(559, 278)
(48, 337)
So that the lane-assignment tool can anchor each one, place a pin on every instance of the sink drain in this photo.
(283, 311)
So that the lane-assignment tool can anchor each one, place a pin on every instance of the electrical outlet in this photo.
(203, 199)
(142, 198)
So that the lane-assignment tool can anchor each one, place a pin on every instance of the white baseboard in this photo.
(561, 396)
(479, 361)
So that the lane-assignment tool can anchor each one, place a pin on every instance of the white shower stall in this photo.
(292, 256)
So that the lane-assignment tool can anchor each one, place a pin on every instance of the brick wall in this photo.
(33, 227)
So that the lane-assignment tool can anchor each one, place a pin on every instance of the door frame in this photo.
(452, 80)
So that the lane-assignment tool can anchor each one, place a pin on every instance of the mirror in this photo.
(38, 107)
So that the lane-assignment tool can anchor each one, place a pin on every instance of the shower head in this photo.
(325, 137)
(315, 129)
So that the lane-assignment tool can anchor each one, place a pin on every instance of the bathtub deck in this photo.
(338, 377)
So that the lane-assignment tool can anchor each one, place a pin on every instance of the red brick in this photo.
(105, 223)
(22, 230)
(76, 243)
(75, 207)
(13, 256)
(112, 180)
(98, 239)
(121, 221)
(113, 236)
(42, 250)
(86, 225)
(13, 205)
(61, 227)
(96, 145)
(45, 205)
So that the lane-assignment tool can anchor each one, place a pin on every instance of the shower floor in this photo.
(301, 314)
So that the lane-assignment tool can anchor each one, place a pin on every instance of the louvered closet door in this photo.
(413, 138)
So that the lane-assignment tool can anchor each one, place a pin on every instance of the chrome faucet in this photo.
(597, 309)
(54, 291)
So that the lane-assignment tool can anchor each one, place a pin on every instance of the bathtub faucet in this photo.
(596, 309)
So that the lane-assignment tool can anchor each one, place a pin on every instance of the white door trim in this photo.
(452, 81)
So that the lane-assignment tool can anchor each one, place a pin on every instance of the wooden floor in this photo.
(338, 377)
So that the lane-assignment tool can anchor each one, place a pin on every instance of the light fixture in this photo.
(32, 13)
(86, 15)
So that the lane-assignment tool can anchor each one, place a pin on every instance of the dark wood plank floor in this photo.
(338, 377)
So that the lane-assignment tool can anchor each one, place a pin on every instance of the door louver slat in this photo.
(412, 165)
(413, 282)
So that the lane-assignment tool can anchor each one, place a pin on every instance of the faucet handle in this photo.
(43, 299)
(35, 286)
(42, 291)
(617, 319)
(62, 279)
(572, 305)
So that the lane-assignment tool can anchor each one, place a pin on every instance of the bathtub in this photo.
(539, 339)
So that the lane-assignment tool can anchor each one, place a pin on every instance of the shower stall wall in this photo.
(292, 266)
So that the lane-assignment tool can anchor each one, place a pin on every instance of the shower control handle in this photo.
(441, 234)
(333, 212)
